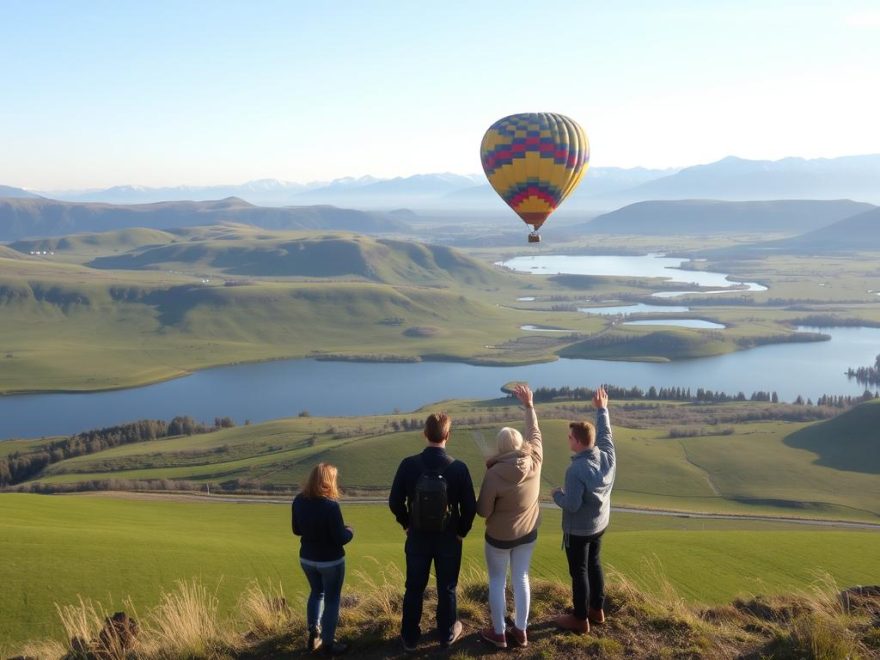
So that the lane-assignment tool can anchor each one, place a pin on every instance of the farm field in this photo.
(109, 547)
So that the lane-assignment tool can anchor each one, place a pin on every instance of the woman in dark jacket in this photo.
(317, 519)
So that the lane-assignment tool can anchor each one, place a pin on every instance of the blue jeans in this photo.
(444, 550)
(326, 588)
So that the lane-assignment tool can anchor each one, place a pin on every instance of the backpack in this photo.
(430, 504)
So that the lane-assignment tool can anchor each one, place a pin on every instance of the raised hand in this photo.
(522, 392)
(600, 398)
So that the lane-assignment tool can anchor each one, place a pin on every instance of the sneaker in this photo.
(516, 637)
(456, 633)
(572, 623)
(407, 647)
(596, 616)
(314, 642)
(336, 648)
(494, 638)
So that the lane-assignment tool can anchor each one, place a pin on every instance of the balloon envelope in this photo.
(534, 160)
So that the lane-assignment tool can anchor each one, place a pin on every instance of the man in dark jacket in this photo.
(442, 547)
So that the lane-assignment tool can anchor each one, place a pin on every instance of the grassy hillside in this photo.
(707, 216)
(96, 244)
(23, 218)
(112, 548)
(717, 460)
(850, 442)
(337, 256)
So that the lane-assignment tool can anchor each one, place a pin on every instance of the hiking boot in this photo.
(572, 623)
(517, 637)
(407, 647)
(336, 648)
(456, 633)
(494, 638)
(596, 616)
(314, 642)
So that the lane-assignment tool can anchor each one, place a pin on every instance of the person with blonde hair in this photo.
(317, 520)
(509, 502)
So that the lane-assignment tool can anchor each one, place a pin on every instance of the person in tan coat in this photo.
(509, 502)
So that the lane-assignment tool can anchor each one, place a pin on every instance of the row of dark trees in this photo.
(700, 395)
(866, 375)
(21, 466)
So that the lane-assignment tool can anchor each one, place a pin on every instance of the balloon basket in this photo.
(534, 237)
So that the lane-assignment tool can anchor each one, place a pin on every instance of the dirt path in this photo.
(257, 499)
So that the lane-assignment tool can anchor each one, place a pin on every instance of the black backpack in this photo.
(430, 503)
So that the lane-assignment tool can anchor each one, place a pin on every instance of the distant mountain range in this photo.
(24, 217)
(603, 188)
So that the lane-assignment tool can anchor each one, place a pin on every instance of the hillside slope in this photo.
(337, 256)
(22, 218)
(704, 216)
(848, 442)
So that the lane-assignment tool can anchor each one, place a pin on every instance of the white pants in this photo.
(497, 560)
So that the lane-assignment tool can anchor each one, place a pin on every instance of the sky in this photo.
(200, 92)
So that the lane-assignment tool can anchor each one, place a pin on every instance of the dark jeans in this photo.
(422, 549)
(585, 568)
(326, 588)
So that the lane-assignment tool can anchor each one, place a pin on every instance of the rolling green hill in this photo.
(22, 218)
(707, 216)
(100, 243)
(850, 442)
(337, 255)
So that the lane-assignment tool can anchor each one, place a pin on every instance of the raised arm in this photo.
(533, 433)
(604, 441)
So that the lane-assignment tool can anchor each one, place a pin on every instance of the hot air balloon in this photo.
(533, 160)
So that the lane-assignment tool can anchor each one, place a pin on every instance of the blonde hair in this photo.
(321, 482)
(507, 440)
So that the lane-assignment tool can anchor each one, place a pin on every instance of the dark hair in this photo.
(437, 427)
(584, 433)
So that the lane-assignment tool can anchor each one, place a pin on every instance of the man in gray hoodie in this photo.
(585, 501)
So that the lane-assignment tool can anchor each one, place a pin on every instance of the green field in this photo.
(108, 548)
(760, 467)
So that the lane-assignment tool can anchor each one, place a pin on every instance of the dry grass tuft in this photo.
(185, 624)
(264, 611)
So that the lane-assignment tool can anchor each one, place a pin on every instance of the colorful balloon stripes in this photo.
(533, 161)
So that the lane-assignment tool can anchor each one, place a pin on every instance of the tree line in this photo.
(866, 375)
(22, 466)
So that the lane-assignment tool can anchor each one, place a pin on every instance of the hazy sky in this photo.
(94, 94)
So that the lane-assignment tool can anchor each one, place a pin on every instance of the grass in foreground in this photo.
(820, 622)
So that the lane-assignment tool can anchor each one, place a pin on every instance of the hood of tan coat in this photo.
(513, 466)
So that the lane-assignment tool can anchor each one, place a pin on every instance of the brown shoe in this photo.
(596, 616)
(497, 640)
(516, 637)
(572, 623)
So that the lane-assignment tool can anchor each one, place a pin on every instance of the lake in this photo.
(270, 390)
(648, 265)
